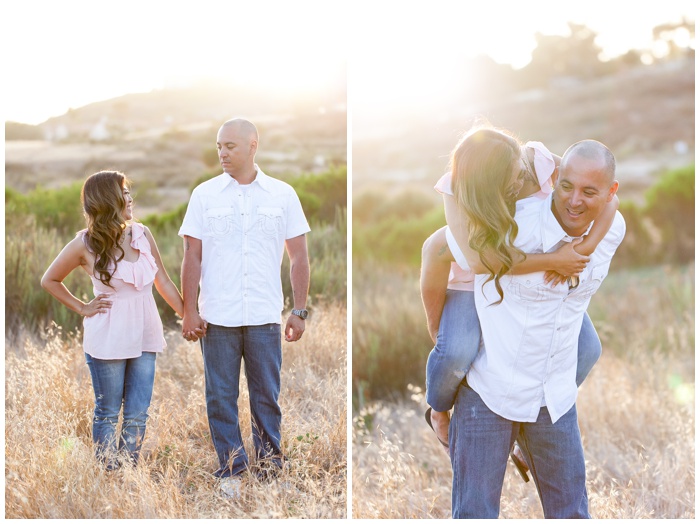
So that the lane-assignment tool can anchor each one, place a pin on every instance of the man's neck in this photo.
(245, 177)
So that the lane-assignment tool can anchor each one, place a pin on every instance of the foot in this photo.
(230, 487)
(516, 454)
(439, 421)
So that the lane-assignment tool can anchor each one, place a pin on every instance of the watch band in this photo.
(301, 313)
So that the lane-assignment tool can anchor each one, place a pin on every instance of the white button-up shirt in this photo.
(530, 340)
(243, 230)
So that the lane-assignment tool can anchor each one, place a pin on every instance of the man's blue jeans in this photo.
(260, 347)
(480, 443)
(458, 342)
(128, 381)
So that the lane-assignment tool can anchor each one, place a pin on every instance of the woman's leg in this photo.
(108, 385)
(589, 349)
(458, 341)
(138, 388)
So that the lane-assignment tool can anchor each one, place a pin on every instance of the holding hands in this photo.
(194, 327)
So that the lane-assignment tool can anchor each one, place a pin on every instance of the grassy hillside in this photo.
(50, 471)
(636, 410)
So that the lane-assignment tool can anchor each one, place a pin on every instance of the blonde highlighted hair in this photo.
(482, 166)
(103, 202)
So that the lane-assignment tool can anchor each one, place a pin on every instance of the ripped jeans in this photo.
(128, 381)
(458, 343)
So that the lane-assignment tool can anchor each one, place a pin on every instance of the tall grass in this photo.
(49, 467)
(636, 412)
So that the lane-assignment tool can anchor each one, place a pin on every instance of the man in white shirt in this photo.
(523, 382)
(235, 230)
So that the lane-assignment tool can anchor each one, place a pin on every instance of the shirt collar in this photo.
(261, 179)
(552, 232)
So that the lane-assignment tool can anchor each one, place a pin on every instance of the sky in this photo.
(61, 55)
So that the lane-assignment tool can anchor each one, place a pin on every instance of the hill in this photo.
(644, 114)
(164, 140)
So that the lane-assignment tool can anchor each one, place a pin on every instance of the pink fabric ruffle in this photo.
(142, 272)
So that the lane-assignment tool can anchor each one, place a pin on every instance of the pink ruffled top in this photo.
(132, 325)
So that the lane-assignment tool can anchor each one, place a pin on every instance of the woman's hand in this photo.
(567, 262)
(554, 278)
(99, 304)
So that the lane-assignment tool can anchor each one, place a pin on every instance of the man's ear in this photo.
(555, 175)
(613, 190)
(253, 147)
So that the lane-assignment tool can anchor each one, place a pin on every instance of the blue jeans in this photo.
(260, 347)
(116, 382)
(458, 342)
(480, 443)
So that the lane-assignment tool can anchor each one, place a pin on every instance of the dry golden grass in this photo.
(50, 471)
(636, 413)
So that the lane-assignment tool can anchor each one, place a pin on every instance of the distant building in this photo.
(99, 131)
(56, 134)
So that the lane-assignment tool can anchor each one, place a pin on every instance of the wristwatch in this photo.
(301, 313)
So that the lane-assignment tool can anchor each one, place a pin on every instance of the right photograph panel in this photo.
(523, 249)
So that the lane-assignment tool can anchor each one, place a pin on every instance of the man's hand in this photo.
(294, 328)
(193, 327)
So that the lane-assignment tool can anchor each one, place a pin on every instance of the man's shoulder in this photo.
(618, 228)
(275, 184)
(211, 184)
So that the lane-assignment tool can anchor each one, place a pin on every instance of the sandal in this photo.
(430, 423)
(520, 464)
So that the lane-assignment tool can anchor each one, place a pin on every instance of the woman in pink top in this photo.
(122, 329)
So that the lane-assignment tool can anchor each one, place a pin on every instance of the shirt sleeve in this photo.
(444, 185)
(193, 223)
(606, 248)
(296, 220)
(544, 165)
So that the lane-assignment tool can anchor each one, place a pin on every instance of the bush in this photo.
(58, 209)
(42, 222)
(671, 206)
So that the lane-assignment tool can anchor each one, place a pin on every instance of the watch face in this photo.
(301, 313)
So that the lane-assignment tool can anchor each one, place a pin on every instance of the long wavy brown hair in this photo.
(482, 166)
(103, 202)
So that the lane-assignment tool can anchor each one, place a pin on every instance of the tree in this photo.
(575, 55)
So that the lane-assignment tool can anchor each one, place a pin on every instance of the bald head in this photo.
(595, 153)
(243, 127)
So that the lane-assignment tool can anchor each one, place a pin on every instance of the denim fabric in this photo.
(260, 348)
(480, 443)
(128, 381)
(457, 345)
(589, 349)
(458, 342)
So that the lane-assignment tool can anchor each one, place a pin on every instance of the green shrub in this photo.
(58, 209)
(41, 223)
(671, 206)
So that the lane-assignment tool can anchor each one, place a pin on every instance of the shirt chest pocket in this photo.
(269, 220)
(590, 285)
(531, 288)
(221, 221)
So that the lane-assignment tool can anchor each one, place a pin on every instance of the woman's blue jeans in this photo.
(260, 348)
(458, 342)
(127, 382)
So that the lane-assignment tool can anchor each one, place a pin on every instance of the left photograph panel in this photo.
(175, 263)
